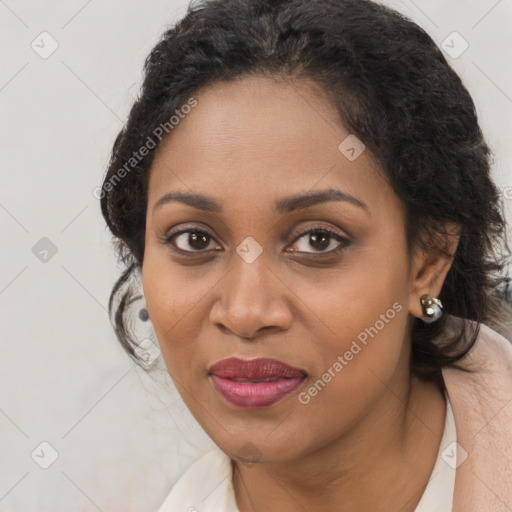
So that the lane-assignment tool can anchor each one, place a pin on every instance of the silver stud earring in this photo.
(432, 308)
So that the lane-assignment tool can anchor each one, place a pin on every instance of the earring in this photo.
(143, 314)
(432, 308)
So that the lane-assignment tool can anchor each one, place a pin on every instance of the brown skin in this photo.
(369, 439)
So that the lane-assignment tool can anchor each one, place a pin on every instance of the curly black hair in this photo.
(393, 89)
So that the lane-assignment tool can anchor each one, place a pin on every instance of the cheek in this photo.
(365, 317)
(358, 366)
(176, 306)
(368, 289)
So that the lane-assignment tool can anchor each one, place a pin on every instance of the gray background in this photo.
(122, 437)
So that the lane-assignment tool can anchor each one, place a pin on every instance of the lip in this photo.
(254, 383)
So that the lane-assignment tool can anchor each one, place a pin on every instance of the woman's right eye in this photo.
(191, 240)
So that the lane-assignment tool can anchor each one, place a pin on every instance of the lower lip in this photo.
(253, 395)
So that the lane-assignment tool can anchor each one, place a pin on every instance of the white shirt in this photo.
(207, 485)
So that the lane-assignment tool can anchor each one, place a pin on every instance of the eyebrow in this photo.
(283, 205)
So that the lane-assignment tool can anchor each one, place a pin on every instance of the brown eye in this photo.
(321, 241)
(192, 240)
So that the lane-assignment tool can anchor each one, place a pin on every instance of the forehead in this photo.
(257, 138)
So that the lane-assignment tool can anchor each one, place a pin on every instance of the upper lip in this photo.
(261, 368)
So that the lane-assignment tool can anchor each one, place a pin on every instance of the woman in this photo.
(305, 192)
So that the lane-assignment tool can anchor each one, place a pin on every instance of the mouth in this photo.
(255, 383)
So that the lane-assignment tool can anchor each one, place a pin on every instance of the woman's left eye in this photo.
(322, 240)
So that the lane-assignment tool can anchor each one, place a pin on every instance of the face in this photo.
(321, 285)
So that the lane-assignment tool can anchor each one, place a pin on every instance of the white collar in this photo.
(207, 485)
(438, 496)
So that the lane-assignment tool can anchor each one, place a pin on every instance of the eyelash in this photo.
(343, 241)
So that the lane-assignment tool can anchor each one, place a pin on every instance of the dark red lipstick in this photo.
(254, 383)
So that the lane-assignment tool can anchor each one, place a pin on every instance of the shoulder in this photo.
(205, 486)
(481, 400)
(496, 347)
(489, 363)
(486, 387)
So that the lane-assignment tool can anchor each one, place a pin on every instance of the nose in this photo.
(252, 299)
